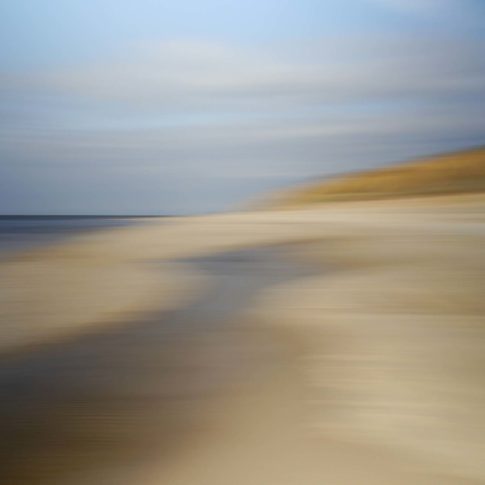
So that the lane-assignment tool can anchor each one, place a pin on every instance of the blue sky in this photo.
(190, 106)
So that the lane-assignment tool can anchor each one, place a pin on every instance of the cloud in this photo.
(191, 76)
(417, 6)
(236, 119)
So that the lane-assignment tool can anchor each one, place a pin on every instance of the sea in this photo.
(19, 233)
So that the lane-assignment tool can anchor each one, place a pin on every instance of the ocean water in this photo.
(26, 232)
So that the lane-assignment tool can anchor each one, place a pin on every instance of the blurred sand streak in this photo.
(394, 336)
(47, 295)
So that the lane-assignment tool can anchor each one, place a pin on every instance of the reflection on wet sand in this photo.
(138, 392)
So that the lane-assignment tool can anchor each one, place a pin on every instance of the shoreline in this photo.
(388, 344)
(110, 275)
(47, 295)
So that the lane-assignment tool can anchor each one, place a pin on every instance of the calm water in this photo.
(25, 232)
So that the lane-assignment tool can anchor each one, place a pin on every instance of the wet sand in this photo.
(138, 392)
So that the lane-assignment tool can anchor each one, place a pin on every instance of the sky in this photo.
(195, 106)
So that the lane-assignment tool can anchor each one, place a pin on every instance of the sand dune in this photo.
(451, 173)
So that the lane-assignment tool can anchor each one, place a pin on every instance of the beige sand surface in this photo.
(386, 365)
(53, 294)
(394, 336)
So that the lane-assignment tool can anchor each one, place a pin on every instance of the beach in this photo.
(339, 343)
(242, 242)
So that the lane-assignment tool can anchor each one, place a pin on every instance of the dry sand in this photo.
(394, 337)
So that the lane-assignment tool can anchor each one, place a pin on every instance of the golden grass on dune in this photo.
(455, 173)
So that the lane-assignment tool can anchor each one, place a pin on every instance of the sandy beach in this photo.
(242, 242)
(349, 351)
